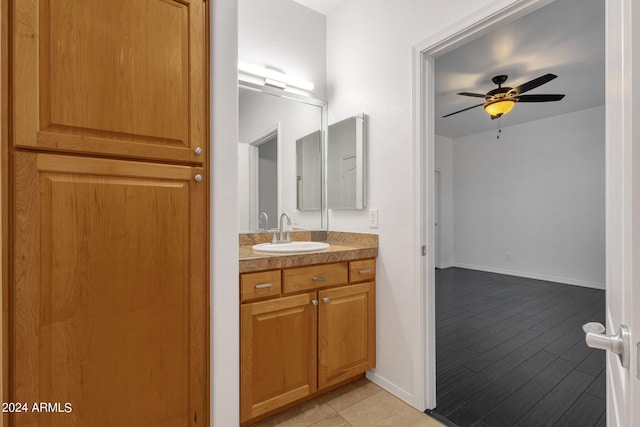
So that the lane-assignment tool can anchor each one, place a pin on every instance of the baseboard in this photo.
(440, 418)
(390, 387)
(445, 265)
(563, 280)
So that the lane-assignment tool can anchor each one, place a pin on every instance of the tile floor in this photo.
(511, 351)
(361, 403)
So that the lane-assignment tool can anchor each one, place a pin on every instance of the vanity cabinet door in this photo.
(346, 332)
(278, 348)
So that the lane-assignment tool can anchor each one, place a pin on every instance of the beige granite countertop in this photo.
(343, 247)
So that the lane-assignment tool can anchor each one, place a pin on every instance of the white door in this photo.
(348, 180)
(623, 207)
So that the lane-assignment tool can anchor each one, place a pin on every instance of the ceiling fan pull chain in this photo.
(499, 129)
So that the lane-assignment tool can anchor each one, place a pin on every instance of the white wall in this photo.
(369, 48)
(444, 164)
(223, 267)
(532, 203)
(284, 35)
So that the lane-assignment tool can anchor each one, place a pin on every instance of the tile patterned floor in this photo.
(359, 404)
(511, 351)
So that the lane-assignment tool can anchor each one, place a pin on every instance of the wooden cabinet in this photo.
(109, 309)
(115, 78)
(346, 333)
(278, 352)
(295, 344)
(260, 285)
(105, 200)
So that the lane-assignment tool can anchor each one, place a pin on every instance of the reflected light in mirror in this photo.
(271, 76)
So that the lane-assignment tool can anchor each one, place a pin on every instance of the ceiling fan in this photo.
(501, 100)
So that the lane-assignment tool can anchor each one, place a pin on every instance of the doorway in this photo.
(619, 287)
(264, 180)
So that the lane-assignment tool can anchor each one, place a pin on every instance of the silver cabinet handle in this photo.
(198, 178)
(367, 271)
(325, 300)
(320, 277)
(264, 286)
(618, 343)
(197, 150)
(314, 301)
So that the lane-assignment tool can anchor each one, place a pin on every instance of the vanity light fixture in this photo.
(274, 77)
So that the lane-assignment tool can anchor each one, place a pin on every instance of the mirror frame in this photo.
(324, 124)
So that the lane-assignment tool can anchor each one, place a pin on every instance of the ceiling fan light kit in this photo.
(498, 108)
(501, 100)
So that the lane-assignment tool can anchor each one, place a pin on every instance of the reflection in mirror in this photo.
(272, 124)
(346, 164)
(308, 164)
(267, 174)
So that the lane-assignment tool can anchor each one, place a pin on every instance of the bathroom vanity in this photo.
(307, 320)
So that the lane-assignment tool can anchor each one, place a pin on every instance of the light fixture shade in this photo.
(500, 107)
(274, 77)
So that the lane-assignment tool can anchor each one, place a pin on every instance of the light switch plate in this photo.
(373, 218)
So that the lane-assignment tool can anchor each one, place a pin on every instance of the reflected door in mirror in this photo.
(308, 171)
(345, 164)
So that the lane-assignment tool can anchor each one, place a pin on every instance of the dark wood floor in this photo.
(511, 351)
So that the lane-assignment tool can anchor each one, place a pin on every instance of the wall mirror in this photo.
(282, 139)
(346, 146)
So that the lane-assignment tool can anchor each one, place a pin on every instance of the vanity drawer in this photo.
(317, 276)
(260, 285)
(362, 271)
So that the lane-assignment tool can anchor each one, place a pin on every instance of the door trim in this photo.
(254, 143)
(423, 58)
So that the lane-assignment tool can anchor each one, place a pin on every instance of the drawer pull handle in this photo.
(320, 277)
(314, 301)
(325, 300)
(367, 271)
(264, 286)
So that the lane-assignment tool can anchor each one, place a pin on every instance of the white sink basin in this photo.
(290, 247)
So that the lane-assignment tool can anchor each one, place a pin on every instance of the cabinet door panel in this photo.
(278, 353)
(117, 77)
(110, 297)
(346, 333)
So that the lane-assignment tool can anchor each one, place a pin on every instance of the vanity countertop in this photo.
(343, 247)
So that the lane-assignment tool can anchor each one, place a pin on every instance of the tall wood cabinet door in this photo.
(109, 297)
(277, 353)
(346, 332)
(118, 78)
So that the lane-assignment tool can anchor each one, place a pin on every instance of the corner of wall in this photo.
(224, 304)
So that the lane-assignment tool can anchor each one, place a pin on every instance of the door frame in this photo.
(619, 176)
(254, 182)
(437, 256)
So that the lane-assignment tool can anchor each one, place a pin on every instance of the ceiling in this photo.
(565, 38)
(321, 6)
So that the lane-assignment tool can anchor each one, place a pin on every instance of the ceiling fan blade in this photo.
(539, 98)
(532, 84)
(469, 108)
(475, 95)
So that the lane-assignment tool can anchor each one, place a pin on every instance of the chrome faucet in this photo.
(266, 220)
(283, 238)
